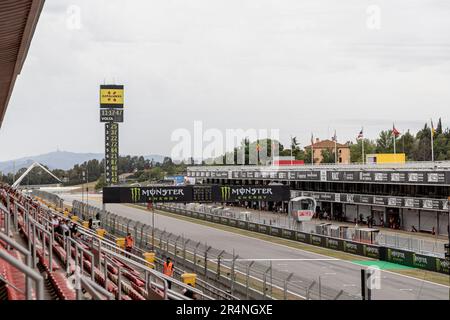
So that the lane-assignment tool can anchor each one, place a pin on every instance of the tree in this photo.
(439, 127)
(408, 144)
(328, 156)
(423, 145)
(100, 183)
(356, 149)
(385, 142)
(307, 155)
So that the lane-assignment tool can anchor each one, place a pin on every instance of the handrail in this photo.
(161, 276)
(92, 287)
(157, 274)
(39, 280)
(27, 254)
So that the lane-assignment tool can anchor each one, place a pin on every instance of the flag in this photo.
(293, 143)
(433, 130)
(395, 132)
(360, 135)
(258, 147)
(312, 139)
(334, 138)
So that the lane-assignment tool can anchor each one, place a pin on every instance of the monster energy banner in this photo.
(147, 194)
(250, 193)
(213, 193)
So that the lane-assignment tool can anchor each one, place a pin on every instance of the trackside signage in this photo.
(111, 96)
(146, 194)
(250, 193)
(183, 194)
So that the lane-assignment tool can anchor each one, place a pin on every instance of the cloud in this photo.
(297, 66)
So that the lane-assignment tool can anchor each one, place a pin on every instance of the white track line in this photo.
(292, 259)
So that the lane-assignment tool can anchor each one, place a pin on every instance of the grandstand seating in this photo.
(28, 211)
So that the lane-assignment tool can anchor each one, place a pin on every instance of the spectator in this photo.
(129, 242)
(168, 270)
(55, 223)
(65, 230)
(73, 230)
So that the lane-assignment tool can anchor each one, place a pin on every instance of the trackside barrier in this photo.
(383, 253)
(127, 260)
(104, 245)
(202, 259)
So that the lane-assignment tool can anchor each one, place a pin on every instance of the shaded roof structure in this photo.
(18, 20)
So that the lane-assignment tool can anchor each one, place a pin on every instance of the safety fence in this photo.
(246, 278)
(404, 257)
(321, 227)
(102, 263)
(380, 252)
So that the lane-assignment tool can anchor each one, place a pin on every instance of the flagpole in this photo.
(312, 149)
(393, 137)
(335, 147)
(363, 157)
(291, 149)
(432, 142)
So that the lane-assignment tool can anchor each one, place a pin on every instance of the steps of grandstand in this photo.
(31, 233)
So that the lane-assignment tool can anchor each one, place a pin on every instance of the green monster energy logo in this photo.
(135, 194)
(225, 193)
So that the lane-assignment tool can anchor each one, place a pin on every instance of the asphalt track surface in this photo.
(334, 273)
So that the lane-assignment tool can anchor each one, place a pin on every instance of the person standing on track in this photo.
(168, 270)
(129, 242)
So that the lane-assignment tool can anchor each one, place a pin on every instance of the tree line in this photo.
(417, 147)
(93, 170)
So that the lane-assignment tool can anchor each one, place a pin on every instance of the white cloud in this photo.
(299, 66)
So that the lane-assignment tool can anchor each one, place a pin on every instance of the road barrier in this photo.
(403, 257)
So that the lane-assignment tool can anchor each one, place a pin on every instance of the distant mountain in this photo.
(54, 160)
(59, 160)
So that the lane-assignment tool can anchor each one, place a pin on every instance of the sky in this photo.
(302, 67)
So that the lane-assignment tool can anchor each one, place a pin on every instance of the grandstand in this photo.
(36, 262)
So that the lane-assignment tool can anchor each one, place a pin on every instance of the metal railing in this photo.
(397, 240)
(108, 247)
(249, 275)
(25, 268)
(37, 225)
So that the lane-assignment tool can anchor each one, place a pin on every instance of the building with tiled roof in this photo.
(343, 150)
